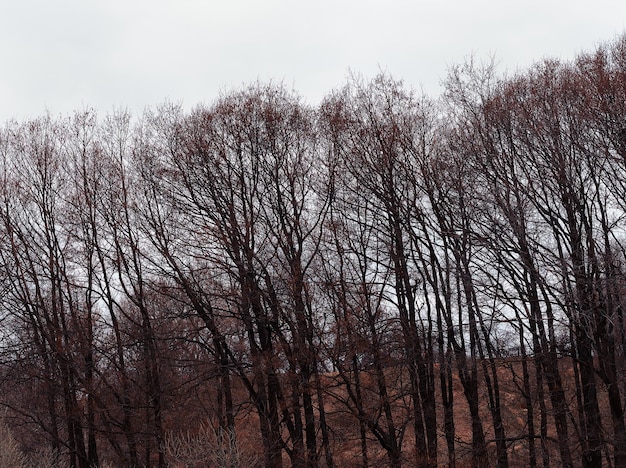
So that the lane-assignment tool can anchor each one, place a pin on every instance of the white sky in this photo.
(65, 55)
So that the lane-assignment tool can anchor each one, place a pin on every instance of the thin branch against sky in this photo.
(69, 54)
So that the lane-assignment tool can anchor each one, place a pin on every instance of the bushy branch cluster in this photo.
(383, 278)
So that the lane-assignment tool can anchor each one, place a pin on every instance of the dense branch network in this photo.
(383, 279)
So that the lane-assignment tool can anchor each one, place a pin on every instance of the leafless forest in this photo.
(385, 279)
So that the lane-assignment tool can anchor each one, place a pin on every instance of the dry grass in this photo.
(10, 454)
(208, 447)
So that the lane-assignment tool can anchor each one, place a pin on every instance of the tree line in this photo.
(385, 279)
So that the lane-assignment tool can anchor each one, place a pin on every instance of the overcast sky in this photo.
(65, 55)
